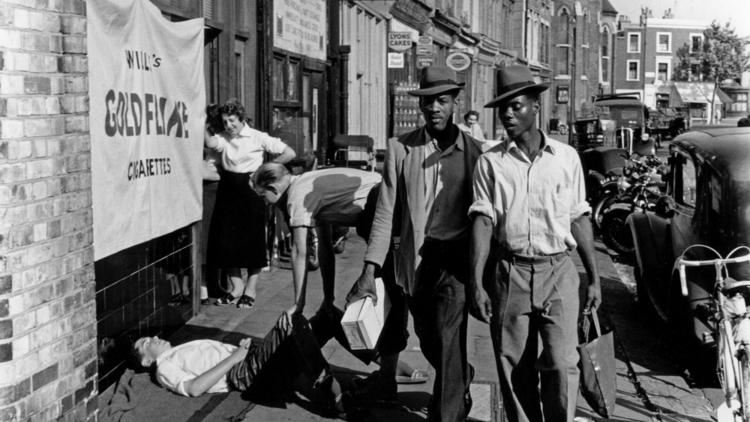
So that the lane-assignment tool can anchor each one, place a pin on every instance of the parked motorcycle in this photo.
(614, 186)
(638, 191)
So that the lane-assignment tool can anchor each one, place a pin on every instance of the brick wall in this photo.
(48, 350)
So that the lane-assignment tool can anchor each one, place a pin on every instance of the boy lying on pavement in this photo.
(210, 366)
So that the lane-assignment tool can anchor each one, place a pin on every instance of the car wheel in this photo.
(616, 233)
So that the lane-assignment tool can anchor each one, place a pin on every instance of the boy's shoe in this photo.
(374, 387)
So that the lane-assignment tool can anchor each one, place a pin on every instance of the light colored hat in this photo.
(512, 81)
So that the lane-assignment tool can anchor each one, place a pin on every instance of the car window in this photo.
(689, 185)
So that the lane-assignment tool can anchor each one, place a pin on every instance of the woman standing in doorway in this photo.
(236, 237)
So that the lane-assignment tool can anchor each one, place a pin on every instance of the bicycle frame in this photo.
(728, 317)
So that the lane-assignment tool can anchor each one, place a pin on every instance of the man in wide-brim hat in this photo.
(422, 214)
(529, 195)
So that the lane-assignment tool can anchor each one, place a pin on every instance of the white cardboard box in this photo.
(363, 321)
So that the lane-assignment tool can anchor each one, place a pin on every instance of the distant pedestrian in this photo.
(529, 195)
(471, 125)
(422, 213)
(236, 237)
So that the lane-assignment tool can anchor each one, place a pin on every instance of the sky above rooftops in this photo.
(736, 12)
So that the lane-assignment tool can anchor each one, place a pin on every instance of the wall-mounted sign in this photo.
(300, 26)
(424, 40)
(425, 50)
(424, 61)
(395, 60)
(563, 95)
(148, 97)
(458, 61)
(399, 41)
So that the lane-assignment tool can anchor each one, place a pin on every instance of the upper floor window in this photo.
(634, 42)
(696, 43)
(663, 42)
(663, 71)
(633, 70)
(564, 35)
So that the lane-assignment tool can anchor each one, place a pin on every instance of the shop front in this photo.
(294, 76)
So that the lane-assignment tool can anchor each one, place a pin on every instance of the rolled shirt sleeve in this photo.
(579, 205)
(173, 378)
(272, 144)
(221, 143)
(483, 191)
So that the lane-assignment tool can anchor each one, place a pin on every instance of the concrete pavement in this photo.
(649, 385)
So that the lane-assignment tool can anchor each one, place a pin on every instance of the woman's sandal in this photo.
(227, 299)
(416, 377)
(246, 302)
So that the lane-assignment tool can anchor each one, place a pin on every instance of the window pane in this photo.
(688, 183)
(562, 60)
(633, 43)
(662, 71)
(278, 79)
(696, 44)
(633, 70)
(663, 42)
(292, 91)
(605, 69)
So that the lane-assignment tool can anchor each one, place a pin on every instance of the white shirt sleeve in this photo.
(221, 143)
(272, 144)
(172, 377)
(483, 189)
(578, 203)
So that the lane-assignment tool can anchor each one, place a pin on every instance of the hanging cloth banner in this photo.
(147, 113)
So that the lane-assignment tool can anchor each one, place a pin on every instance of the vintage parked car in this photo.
(707, 201)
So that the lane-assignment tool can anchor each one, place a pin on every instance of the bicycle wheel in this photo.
(729, 373)
(745, 383)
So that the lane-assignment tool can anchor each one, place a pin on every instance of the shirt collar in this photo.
(460, 142)
(547, 144)
(246, 130)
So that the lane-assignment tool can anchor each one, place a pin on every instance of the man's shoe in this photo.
(375, 387)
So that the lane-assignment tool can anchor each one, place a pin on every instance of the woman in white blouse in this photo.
(236, 237)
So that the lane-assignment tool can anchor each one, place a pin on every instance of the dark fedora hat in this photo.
(514, 80)
(436, 80)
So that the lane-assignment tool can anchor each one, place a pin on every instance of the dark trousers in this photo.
(440, 313)
(532, 302)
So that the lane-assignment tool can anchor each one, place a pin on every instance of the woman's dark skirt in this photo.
(236, 237)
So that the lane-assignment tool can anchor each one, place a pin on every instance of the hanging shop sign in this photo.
(300, 26)
(425, 46)
(147, 95)
(458, 61)
(424, 61)
(395, 60)
(562, 95)
(399, 41)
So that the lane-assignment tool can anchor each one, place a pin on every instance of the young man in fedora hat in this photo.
(529, 196)
(422, 213)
